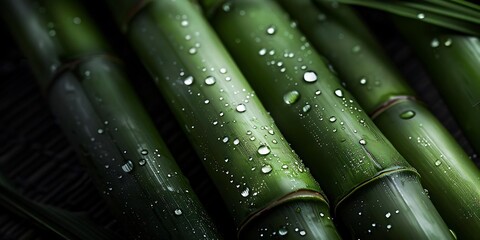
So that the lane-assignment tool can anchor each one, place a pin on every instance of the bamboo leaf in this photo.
(63, 223)
(454, 15)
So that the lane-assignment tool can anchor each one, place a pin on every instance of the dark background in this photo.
(36, 157)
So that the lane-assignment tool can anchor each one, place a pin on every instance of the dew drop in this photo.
(282, 231)
(420, 16)
(128, 166)
(192, 50)
(223, 70)
(318, 92)
(388, 215)
(291, 97)
(389, 226)
(144, 152)
(245, 192)
(188, 81)
(263, 150)
(262, 52)
(236, 141)
(77, 20)
(448, 42)
(339, 93)
(100, 131)
(178, 212)
(434, 43)
(438, 163)
(142, 162)
(267, 169)
(310, 76)
(184, 23)
(306, 108)
(407, 114)
(363, 81)
(271, 30)
(332, 119)
(356, 49)
(241, 108)
(302, 233)
(210, 80)
(362, 142)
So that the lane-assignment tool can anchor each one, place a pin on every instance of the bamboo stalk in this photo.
(101, 115)
(375, 192)
(450, 176)
(268, 190)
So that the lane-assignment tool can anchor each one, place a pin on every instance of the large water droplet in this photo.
(271, 30)
(128, 166)
(291, 97)
(302, 233)
(267, 169)
(210, 80)
(332, 119)
(188, 81)
(388, 215)
(245, 192)
(310, 76)
(178, 211)
(282, 231)
(262, 52)
(241, 108)
(407, 114)
(339, 93)
(192, 50)
(362, 142)
(184, 23)
(263, 150)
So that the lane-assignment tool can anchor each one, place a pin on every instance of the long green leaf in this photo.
(63, 223)
(458, 18)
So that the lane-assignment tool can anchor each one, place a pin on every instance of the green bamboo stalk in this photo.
(268, 190)
(452, 61)
(375, 192)
(452, 179)
(90, 95)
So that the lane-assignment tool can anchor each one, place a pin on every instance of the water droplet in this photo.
(236, 142)
(263, 150)
(210, 80)
(144, 152)
(434, 43)
(310, 76)
(128, 166)
(178, 212)
(363, 81)
(262, 52)
(267, 169)
(302, 233)
(223, 70)
(306, 108)
(356, 49)
(389, 226)
(291, 97)
(407, 114)
(100, 131)
(448, 42)
(241, 108)
(52, 33)
(226, 7)
(282, 231)
(225, 139)
(184, 23)
(438, 163)
(142, 162)
(188, 81)
(206, 101)
(339, 93)
(420, 16)
(362, 142)
(245, 192)
(271, 30)
(332, 119)
(284, 166)
(318, 92)
(77, 20)
(192, 50)
(388, 215)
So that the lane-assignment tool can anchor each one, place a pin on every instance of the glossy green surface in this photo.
(243, 151)
(95, 105)
(342, 147)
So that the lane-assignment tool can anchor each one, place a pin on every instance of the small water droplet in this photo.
(241, 108)
(362, 142)
(262, 52)
(306, 108)
(434, 43)
(356, 49)
(192, 50)
(420, 16)
(144, 152)
(438, 163)
(188, 81)
(407, 114)
(100, 131)
(282, 231)
(363, 81)
(302, 233)
(142, 162)
(128, 166)
(332, 119)
(318, 92)
(291, 97)
(178, 212)
(184, 23)
(210, 80)
(339, 93)
(236, 141)
(225, 139)
(389, 226)
(448, 42)
(271, 30)
(263, 150)
(310, 76)
(245, 192)
(223, 70)
(77, 20)
(267, 169)
(388, 215)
